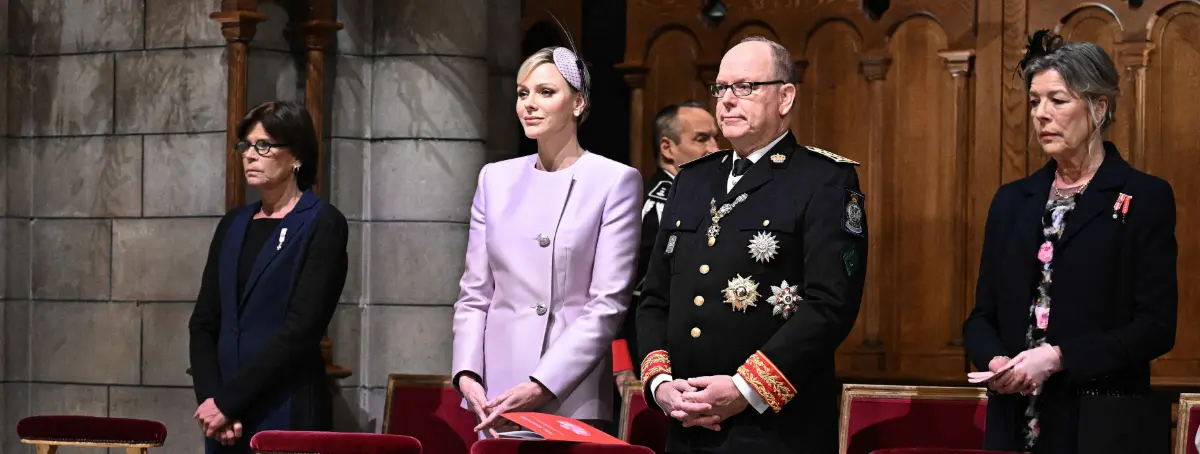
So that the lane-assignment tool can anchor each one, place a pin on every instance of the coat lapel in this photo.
(294, 221)
(231, 251)
(1028, 228)
(1100, 193)
(760, 173)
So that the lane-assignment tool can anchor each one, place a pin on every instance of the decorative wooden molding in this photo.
(874, 67)
(1134, 58)
(635, 76)
(958, 62)
(239, 20)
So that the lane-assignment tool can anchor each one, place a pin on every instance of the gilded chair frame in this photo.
(1182, 416)
(51, 446)
(425, 381)
(626, 397)
(854, 391)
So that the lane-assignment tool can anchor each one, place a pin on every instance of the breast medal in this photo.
(784, 298)
(741, 293)
(763, 247)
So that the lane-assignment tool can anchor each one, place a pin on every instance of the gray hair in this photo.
(666, 122)
(781, 59)
(1085, 67)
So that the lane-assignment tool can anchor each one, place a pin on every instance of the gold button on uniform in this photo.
(676, 223)
(699, 300)
(703, 269)
(712, 241)
(766, 223)
(695, 332)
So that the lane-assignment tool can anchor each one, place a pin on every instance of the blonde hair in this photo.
(546, 55)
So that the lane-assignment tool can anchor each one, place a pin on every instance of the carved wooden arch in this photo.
(312, 25)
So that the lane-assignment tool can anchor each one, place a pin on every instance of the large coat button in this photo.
(695, 332)
(540, 308)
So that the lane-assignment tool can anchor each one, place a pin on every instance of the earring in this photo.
(296, 169)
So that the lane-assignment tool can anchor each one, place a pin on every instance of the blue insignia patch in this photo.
(852, 213)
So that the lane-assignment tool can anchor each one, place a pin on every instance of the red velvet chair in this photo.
(937, 451)
(513, 446)
(295, 441)
(876, 417)
(47, 433)
(427, 407)
(1187, 422)
(641, 425)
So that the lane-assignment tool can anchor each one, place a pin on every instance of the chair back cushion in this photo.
(876, 417)
(428, 408)
(513, 446)
(295, 441)
(641, 425)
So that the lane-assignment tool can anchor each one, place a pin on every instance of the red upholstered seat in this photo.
(428, 408)
(937, 451)
(120, 432)
(510, 446)
(876, 417)
(641, 425)
(291, 442)
(1188, 416)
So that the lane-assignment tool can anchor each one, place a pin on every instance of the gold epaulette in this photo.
(831, 155)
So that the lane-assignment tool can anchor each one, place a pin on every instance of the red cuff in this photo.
(767, 381)
(657, 362)
(621, 360)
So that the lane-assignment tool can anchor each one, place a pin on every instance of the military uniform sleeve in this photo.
(835, 258)
(652, 310)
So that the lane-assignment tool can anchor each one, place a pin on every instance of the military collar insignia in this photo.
(852, 214)
(832, 156)
(778, 158)
(741, 293)
(660, 191)
(723, 154)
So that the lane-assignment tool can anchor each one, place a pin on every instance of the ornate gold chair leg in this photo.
(47, 449)
(135, 450)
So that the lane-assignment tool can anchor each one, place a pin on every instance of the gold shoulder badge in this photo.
(833, 156)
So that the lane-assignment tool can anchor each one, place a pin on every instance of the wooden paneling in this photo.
(927, 99)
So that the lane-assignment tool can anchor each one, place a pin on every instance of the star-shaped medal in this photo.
(763, 247)
(784, 298)
(741, 293)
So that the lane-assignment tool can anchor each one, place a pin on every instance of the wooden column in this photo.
(238, 19)
(315, 33)
(958, 62)
(635, 76)
(874, 66)
(1134, 57)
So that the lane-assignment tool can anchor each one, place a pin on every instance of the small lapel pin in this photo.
(1121, 207)
(282, 235)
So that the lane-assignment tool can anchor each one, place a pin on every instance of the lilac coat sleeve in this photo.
(575, 354)
(475, 292)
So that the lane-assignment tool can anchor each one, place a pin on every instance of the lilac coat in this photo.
(582, 277)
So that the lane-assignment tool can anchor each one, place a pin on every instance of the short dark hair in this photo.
(1085, 67)
(289, 123)
(666, 124)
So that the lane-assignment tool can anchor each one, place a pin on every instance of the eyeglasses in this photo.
(740, 89)
(261, 147)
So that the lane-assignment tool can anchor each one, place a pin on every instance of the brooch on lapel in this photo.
(741, 293)
(1121, 208)
(282, 235)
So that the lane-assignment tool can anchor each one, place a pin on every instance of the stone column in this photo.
(114, 185)
(4, 25)
(504, 58)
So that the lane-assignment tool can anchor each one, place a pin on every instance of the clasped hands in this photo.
(526, 396)
(215, 425)
(701, 401)
(1028, 371)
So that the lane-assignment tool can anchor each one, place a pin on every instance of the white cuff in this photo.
(658, 380)
(755, 400)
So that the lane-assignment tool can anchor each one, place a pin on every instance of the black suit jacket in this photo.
(658, 187)
(1114, 294)
(806, 201)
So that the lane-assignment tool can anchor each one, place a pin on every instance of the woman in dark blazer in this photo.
(274, 274)
(1077, 279)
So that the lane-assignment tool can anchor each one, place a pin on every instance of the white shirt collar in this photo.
(758, 154)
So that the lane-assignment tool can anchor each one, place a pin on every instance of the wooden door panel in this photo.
(672, 60)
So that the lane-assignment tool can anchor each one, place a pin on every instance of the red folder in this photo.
(558, 428)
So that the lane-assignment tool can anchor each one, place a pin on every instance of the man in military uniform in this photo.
(683, 132)
(755, 278)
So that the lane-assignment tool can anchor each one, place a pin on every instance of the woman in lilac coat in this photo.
(550, 262)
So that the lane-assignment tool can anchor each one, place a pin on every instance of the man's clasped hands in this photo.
(701, 401)
(215, 425)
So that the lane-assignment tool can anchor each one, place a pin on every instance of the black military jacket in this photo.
(767, 290)
(658, 186)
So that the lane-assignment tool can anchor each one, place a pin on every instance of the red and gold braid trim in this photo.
(657, 362)
(767, 381)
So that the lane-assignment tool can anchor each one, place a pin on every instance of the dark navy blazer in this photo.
(257, 353)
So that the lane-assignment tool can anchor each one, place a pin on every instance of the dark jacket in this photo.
(806, 205)
(1114, 296)
(257, 352)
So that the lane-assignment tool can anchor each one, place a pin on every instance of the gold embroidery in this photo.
(657, 362)
(767, 381)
